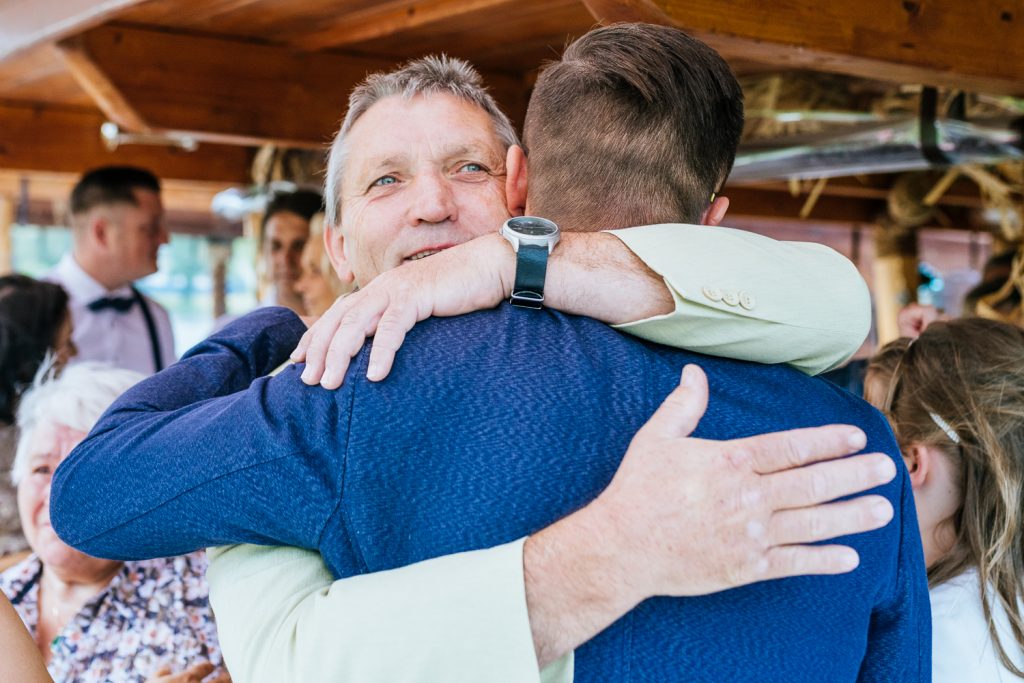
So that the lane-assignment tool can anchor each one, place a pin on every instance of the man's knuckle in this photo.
(737, 456)
(819, 485)
(815, 526)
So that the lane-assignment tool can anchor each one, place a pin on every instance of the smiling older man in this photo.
(286, 452)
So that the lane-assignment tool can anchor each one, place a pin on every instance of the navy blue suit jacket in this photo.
(491, 426)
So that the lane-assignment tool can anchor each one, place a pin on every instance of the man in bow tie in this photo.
(117, 222)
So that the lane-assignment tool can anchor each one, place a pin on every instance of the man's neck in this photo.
(94, 269)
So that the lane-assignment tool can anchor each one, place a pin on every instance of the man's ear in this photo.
(515, 180)
(334, 245)
(919, 460)
(715, 213)
(100, 230)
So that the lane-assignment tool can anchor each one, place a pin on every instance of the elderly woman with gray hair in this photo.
(94, 619)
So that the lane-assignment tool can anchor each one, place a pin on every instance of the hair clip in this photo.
(944, 426)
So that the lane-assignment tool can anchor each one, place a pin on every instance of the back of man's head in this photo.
(111, 185)
(636, 124)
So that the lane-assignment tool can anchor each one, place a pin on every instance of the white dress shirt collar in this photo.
(80, 285)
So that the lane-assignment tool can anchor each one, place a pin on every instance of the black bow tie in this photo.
(121, 304)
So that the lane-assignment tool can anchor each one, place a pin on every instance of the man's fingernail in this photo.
(881, 511)
(373, 371)
(856, 439)
(687, 378)
(306, 374)
(885, 469)
(848, 560)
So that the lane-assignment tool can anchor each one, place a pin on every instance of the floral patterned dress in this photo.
(152, 614)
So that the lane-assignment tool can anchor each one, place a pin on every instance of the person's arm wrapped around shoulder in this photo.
(168, 467)
(21, 660)
(742, 295)
(456, 618)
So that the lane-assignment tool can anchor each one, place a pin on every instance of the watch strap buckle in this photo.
(527, 299)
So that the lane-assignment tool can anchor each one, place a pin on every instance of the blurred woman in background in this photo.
(34, 323)
(318, 285)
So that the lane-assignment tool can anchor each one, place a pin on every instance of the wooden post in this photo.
(895, 277)
(220, 255)
(6, 224)
(252, 227)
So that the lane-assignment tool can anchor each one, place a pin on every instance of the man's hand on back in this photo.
(686, 516)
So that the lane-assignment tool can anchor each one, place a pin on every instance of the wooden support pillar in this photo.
(220, 256)
(252, 227)
(6, 226)
(895, 277)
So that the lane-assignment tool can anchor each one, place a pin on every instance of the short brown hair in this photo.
(111, 185)
(636, 123)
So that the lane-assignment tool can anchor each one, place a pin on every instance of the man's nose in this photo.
(434, 201)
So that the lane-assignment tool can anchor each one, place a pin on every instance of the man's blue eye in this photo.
(473, 168)
(385, 180)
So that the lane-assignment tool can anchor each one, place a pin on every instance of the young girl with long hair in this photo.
(955, 398)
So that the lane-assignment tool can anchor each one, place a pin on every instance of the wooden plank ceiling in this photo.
(234, 74)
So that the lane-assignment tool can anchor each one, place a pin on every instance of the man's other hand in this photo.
(686, 516)
(469, 277)
(739, 511)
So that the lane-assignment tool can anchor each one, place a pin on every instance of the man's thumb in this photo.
(680, 412)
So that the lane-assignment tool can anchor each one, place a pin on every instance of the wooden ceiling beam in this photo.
(24, 24)
(234, 91)
(94, 81)
(387, 18)
(746, 201)
(178, 195)
(52, 139)
(973, 46)
(963, 193)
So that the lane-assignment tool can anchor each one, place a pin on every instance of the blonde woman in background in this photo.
(318, 284)
(955, 398)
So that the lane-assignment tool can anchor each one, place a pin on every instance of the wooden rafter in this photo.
(52, 139)
(962, 194)
(387, 18)
(99, 87)
(239, 92)
(177, 195)
(974, 46)
(24, 24)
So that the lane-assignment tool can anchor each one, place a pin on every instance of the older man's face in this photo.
(421, 175)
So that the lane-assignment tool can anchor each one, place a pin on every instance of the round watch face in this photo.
(532, 226)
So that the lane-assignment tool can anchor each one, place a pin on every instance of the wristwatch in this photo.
(532, 239)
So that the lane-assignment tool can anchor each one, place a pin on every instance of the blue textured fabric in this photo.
(491, 426)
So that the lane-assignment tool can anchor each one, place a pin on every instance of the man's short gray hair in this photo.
(424, 76)
(74, 398)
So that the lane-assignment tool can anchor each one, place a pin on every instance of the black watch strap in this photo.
(531, 267)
